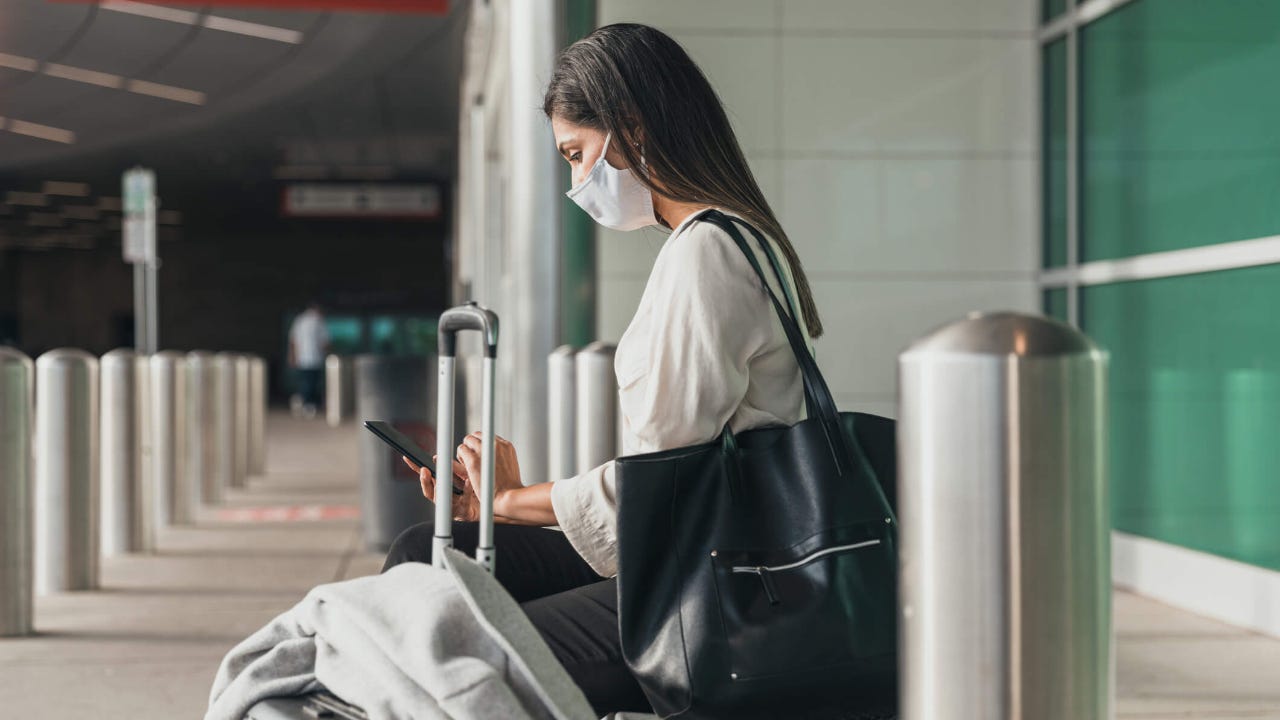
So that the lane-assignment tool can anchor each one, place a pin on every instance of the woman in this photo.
(648, 143)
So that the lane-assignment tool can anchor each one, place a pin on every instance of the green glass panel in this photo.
(1050, 9)
(385, 337)
(1195, 408)
(1180, 126)
(578, 256)
(1055, 303)
(346, 334)
(1054, 182)
(420, 335)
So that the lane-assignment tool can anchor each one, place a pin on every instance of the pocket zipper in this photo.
(766, 571)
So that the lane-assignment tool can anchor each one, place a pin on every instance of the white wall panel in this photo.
(672, 15)
(940, 16)
(619, 297)
(925, 214)
(869, 322)
(895, 139)
(627, 254)
(866, 94)
(744, 72)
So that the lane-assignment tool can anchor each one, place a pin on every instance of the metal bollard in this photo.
(124, 518)
(66, 464)
(16, 396)
(257, 415)
(561, 461)
(596, 406)
(339, 389)
(400, 390)
(242, 420)
(146, 468)
(200, 456)
(1005, 526)
(224, 424)
(175, 495)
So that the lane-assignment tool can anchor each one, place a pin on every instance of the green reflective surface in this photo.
(578, 253)
(1054, 182)
(1195, 408)
(1050, 9)
(346, 334)
(1054, 303)
(1180, 126)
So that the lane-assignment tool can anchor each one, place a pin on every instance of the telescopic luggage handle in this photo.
(464, 317)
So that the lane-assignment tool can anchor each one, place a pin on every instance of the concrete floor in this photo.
(146, 646)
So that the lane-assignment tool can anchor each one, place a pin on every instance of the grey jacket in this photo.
(415, 642)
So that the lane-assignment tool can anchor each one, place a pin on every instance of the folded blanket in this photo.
(414, 642)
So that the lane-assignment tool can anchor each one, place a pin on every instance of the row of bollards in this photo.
(97, 454)
(16, 567)
(582, 409)
(339, 389)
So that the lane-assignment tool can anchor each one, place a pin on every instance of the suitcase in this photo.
(464, 317)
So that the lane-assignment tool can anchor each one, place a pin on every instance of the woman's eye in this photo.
(576, 157)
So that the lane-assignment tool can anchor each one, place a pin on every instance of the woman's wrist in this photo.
(525, 505)
(500, 502)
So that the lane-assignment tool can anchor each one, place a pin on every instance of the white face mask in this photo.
(614, 198)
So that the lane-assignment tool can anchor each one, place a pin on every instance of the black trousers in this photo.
(574, 609)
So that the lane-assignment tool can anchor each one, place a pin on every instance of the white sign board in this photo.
(365, 200)
(139, 216)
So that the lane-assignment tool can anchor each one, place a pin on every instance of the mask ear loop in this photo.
(571, 192)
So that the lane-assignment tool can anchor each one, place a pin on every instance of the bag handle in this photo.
(818, 401)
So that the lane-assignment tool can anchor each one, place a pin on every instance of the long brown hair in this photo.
(639, 85)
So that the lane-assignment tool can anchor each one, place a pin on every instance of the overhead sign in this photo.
(139, 204)
(362, 200)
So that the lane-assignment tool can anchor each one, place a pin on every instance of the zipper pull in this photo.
(770, 589)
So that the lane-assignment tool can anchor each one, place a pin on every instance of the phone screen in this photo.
(404, 445)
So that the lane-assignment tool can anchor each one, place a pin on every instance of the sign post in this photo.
(140, 250)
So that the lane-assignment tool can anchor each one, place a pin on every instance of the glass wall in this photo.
(1178, 146)
(1055, 303)
(1054, 89)
(1179, 126)
(1195, 408)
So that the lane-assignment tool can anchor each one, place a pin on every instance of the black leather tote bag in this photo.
(758, 572)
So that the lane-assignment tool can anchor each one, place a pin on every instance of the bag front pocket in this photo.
(786, 613)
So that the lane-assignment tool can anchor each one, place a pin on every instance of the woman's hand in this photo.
(466, 507)
(513, 502)
(506, 468)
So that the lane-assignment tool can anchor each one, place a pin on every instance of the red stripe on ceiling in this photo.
(430, 7)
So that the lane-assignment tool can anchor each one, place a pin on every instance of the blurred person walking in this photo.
(308, 344)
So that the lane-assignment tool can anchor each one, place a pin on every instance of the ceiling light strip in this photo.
(103, 79)
(92, 77)
(252, 29)
(19, 63)
(166, 92)
(213, 22)
(36, 130)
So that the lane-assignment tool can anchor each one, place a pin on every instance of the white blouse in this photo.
(705, 346)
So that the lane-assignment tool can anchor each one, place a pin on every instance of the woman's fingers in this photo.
(470, 458)
(428, 483)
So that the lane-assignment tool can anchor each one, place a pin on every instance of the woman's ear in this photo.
(635, 136)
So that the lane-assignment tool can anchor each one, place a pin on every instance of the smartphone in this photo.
(405, 446)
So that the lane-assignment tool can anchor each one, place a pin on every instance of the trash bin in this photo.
(401, 390)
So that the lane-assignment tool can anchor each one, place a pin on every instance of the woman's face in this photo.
(581, 147)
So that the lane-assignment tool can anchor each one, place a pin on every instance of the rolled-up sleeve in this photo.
(706, 319)
(586, 508)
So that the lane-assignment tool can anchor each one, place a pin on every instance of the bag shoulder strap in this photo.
(818, 400)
